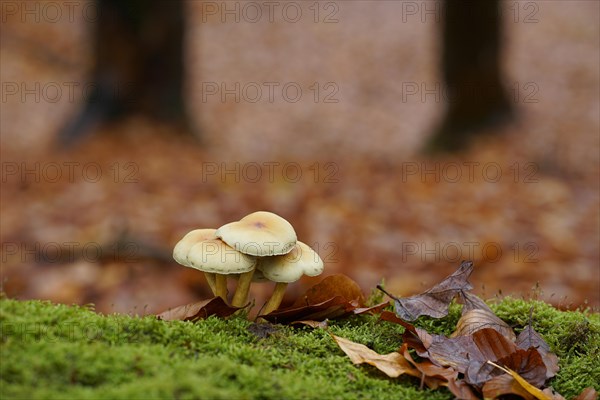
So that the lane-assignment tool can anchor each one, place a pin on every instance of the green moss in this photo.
(574, 336)
(57, 351)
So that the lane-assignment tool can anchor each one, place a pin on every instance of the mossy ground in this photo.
(57, 351)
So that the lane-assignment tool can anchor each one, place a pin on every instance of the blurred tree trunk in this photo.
(471, 64)
(137, 66)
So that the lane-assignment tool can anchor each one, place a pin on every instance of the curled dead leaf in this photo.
(532, 390)
(393, 364)
(529, 338)
(502, 385)
(334, 297)
(476, 315)
(474, 320)
(313, 324)
(331, 286)
(587, 394)
(329, 309)
(435, 301)
(199, 310)
(434, 376)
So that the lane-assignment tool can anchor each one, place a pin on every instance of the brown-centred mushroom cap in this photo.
(287, 268)
(260, 234)
(192, 238)
(217, 257)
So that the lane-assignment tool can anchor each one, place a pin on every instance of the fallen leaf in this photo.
(392, 364)
(334, 297)
(475, 320)
(492, 344)
(329, 309)
(199, 310)
(435, 301)
(435, 376)
(532, 390)
(552, 394)
(376, 309)
(587, 394)
(476, 315)
(502, 385)
(331, 286)
(529, 338)
(399, 363)
(313, 324)
(527, 363)
(461, 352)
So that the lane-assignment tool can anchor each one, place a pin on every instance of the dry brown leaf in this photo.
(331, 286)
(492, 345)
(469, 354)
(199, 310)
(329, 309)
(587, 394)
(502, 385)
(435, 376)
(435, 301)
(392, 364)
(552, 394)
(334, 297)
(529, 338)
(532, 390)
(399, 363)
(527, 363)
(476, 315)
(474, 320)
(313, 324)
(376, 309)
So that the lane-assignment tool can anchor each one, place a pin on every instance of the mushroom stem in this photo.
(221, 286)
(211, 280)
(275, 300)
(243, 286)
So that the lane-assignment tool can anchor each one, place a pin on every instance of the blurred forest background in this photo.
(93, 217)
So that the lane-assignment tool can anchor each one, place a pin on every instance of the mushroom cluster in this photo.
(261, 246)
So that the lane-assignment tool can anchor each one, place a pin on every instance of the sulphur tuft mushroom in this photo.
(287, 268)
(260, 234)
(217, 257)
(182, 248)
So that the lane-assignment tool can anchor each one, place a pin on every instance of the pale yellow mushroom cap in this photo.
(259, 234)
(287, 268)
(215, 256)
(192, 238)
